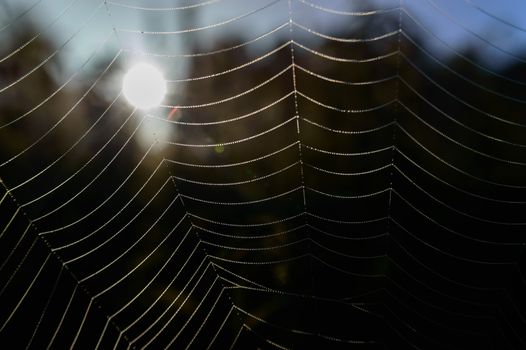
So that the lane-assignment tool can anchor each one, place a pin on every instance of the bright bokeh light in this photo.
(144, 86)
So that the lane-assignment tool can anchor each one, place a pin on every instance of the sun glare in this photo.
(144, 86)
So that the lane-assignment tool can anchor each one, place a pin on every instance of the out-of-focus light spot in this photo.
(144, 86)
(220, 149)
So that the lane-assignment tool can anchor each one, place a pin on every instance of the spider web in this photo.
(319, 175)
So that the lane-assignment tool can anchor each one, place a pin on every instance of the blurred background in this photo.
(320, 174)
